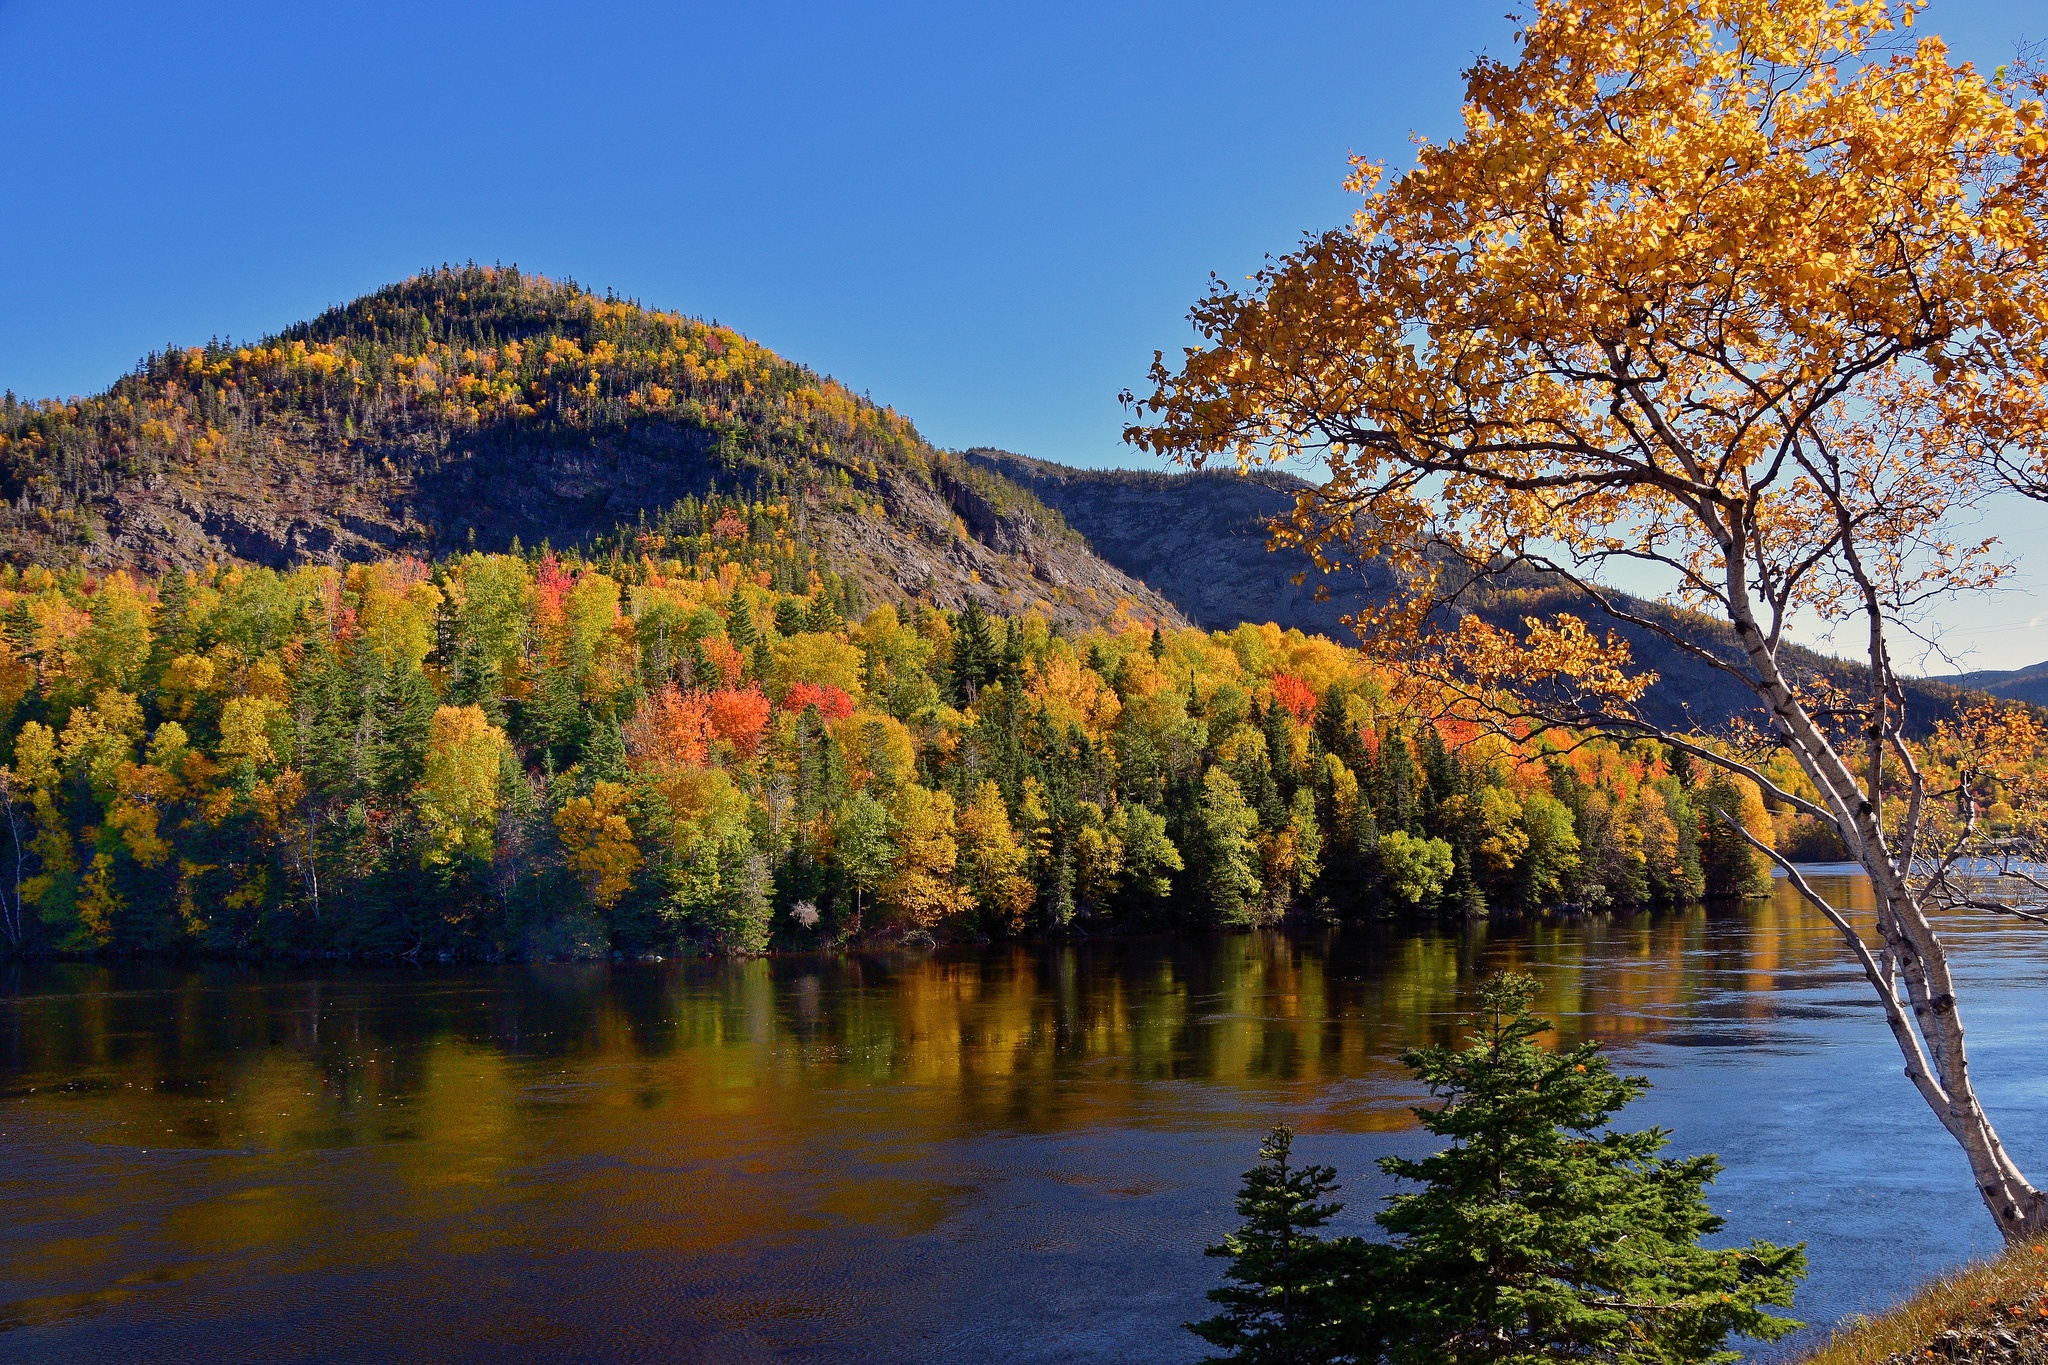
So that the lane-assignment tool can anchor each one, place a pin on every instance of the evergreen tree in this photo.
(1230, 874)
(739, 626)
(1542, 1234)
(1729, 864)
(862, 847)
(1293, 1296)
(974, 662)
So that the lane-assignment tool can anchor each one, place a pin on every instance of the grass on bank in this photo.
(2009, 1291)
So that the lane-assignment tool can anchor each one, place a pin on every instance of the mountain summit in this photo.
(479, 406)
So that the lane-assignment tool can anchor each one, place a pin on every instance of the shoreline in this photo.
(878, 941)
(1992, 1310)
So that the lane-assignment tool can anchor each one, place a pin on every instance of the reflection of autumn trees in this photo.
(707, 1104)
(1037, 1037)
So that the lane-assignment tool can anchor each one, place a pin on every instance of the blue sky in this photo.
(987, 216)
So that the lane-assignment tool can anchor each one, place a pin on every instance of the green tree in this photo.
(1293, 1295)
(974, 660)
(1416, 869)
(861, 845)
(1230, 860)
(1542, 1234)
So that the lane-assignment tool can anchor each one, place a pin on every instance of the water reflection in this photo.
(1012, 1154)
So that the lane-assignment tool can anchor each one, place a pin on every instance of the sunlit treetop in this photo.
(1696, 278)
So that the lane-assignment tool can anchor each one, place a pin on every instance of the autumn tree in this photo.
(1746, 291)
(920, 886)
(992, 860)
(598, 838)
(458, 796)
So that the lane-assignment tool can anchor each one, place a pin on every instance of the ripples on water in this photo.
(1012, 1154)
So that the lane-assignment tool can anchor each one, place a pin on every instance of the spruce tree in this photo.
(974, 653)
(1293, 1294)
(1542, 1234)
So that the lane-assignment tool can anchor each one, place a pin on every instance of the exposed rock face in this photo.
(958, 534)
(964, 535)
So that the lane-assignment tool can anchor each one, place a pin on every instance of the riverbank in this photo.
(1993, 1310)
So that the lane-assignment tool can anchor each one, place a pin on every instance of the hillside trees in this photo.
(1749, 292)
(538, 754)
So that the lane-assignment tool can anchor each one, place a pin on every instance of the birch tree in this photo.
(1743, 295)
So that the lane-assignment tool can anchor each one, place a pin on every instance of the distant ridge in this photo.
(1200, 539)
(2029, 684)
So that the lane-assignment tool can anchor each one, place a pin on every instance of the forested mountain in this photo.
(477, 407)
(1200, 540)
(485, 615)
(2029, 684)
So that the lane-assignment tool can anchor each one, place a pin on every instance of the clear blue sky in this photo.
(987, 216)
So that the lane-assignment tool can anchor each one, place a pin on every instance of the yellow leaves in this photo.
(142, 790)
(98, 739)
(189, 674)
(1074, 695)
(878, 748)
(1560, 649)
(245, 731)
(35, 756)
(992, 860)
(1598, 316)
(457, 796)
(266, 679)
(920, 886)
(395, 608)
(599, 842)
(816, 657)
(695, 807)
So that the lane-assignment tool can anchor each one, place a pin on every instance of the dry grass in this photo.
(2008, 1294)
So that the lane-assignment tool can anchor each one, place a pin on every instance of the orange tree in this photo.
(1745, 291)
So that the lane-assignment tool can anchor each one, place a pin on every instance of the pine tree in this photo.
(1542, 1234)
(974, 654)
(1294, 1296)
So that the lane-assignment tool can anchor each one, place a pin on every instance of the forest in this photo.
(693, 737)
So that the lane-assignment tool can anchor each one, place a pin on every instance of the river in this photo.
(998, 1154)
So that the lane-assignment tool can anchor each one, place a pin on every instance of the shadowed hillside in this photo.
(1200, 539)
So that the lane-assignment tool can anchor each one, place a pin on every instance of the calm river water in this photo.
(1010, 1154)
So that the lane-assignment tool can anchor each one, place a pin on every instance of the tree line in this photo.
(660, 744)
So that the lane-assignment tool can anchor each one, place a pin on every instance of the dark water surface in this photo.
(1013, 1154)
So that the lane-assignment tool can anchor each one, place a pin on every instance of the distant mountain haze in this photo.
(2029, 684)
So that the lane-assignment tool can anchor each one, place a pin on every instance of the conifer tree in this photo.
(974, 653)
(1293, 1294)
(1542, 1234)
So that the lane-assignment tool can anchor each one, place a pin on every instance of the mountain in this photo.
(482, 407)
(1200, 539)
(479, 406)
(2029, 684)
